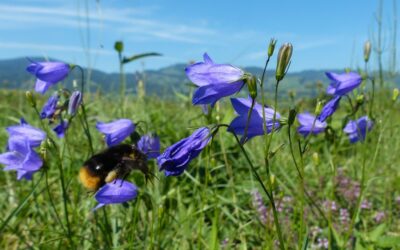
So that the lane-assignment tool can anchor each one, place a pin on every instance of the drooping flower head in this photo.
(74, 101)
(214, 80)
(341, 84)
(117, 191)
(49, 107)
(116, 131)
(177, 157)
(34, 135)
(48, 74)
(150, 146)
(310, 124)
(61, 128)
(329, 108)
(357, 130)
(255, 126)
(21, 157)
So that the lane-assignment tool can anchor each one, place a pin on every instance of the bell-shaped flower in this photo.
(357, 130)
(310, 124)
(48, 74)
(34, 135)
(74, 101)
(341, 84)
(61, 128)
(117, 191)
(177, 157)
(115, 132)
(21, 157)
(150, 146)
(255, 124)
(214, 80)
(329, 108)
(49, 107)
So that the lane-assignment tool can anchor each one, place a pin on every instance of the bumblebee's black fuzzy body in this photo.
(114, 162)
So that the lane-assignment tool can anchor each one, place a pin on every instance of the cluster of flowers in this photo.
(341, 85)
(214, 82)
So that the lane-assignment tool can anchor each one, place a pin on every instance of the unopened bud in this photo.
(367, 50)
(252, 86)
(271, 47)
(292, 116)
(315, 158)
(119, 46)
(31, 99)
(74, 101)
(360, 99)
(284, 55)
(318, 108)
(395, 94)
(272, 178)
(74, 83)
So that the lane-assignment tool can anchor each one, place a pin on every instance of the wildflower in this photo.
(330, 205)
(116, 131)
(365, 204)
(214, 80)
(21, 157)
(255, 124)
(322, 243)
(341, 84)
(61, 128)
(118, 191)
(50, 107)
(48, 74)
(34, 135)
(150, 146)
(344, 217)
(74, 101)
(258, 204)
(310, 124)
(357, 130)
(379, 216)
(329, 108)
(176, 158)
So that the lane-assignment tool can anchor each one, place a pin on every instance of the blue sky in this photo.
(325, 34)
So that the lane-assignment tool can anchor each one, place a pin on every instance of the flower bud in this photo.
(395, 94)
(315, 158)
(74, 101)
(318, 108)
(360, 99)
(284, 55)
(367, 50)
(292, 116)
(271, 47)
(251, 82)
(119, 46)
(31, 99)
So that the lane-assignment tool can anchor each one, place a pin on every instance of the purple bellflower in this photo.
(49, 107)
(357, 130)
(341, 84)
(74, 101)
(48, 74)
(61, 128)
(310, 124)
(255, 126)
(116, 131)
(150, 146)
(329, 108)
(34, 135)
(177, 157)
(21, 157)
(118, 191)
(214, 80)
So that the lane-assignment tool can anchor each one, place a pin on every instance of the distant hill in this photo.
(164, 82)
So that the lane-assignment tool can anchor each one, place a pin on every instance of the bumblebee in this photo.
(112, 163)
